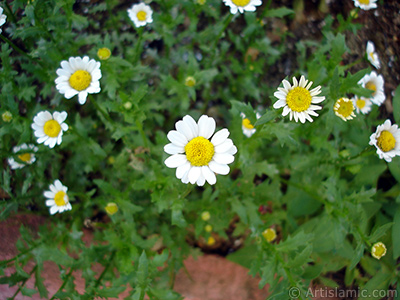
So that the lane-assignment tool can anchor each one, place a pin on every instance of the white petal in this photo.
(177, 138)
(49, 194)
(173, 149)
(206, 126)
(223, 158)
(194, 174)
(184, 128)
(82, 97)
(201, 180)
(218, 168)
(53, 209)
(220, 137)
(50, 202)
(209, 175)
(225, 146)
(182, 170)
(175, 160)
(191, 123)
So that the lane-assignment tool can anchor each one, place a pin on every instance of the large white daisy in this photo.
(25, 154)
(78, 76)
(197, 158)
(372, 56)
(242, 5)
(362, 104)
(57, 198)
(2, 18)
(248, 128)
(297, 100)
(140, 14)
(49, 128)
(375, 83)
(365, 4)
(386, 139)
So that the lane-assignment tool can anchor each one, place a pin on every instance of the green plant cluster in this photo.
(319, 185)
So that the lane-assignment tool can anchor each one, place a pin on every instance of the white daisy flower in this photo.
(344, 109)
(28, 158)
(242, 5)
(49, 128)
(78, 76)
(362, 104)
(248, 128)
(372, 55)
(2, 18)
(375, 83)
(386, 139)
(365, 4)
(298, 100)
(140, 14)
(197, 158)
(57, 198)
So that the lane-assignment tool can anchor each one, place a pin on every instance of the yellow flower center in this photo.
(371, 54)
(104, 53)
(80, 80)
(205, 216)
(345, 108)
(111, 208)
(25, 157)
(247, 124)
(371, 86)
(386, 141)
(61, 198)
(52, 128)
(360, 103)
(298, 99)
(210, 241)
(190, 81)
(269, 234)
(365, 2)
(241, 2)
(199, 151)
(141, 15)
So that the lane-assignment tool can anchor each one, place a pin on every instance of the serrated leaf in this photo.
(247, 109)
(358, 253)
(279, 12)
(301, 258)
(379, 232)
(294, 242)
(267, 117)
(39, 284)
(143, 270)
(396, 233)
(396, 106)
(380, 282)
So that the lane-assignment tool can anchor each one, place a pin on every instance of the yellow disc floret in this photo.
(344, 108)
(104, 53)
(365, 2)
(269, 234)
(141, 15)
(386, 141)
(80, 80)
(241, 2)
(111, 208)
(298, 99)
(25, 157)
(371, 86)
(61, 198)
(247, 124)
(52, 128)
(360, 103)
(199, 151)
(378, 250)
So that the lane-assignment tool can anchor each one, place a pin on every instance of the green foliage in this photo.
(319, 184)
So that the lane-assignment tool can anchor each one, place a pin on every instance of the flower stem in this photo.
(226, 23)
(23, 283)
(101, 110)
(19, 50)
(138, 47)
(64, 283)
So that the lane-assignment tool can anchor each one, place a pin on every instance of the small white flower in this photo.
(197, 158)
(49, 128)
(344, 109)
(140, 14)
(2, 18)
(386, 139)
(242, 5)
(362, 104)
(27, 157)
(78, 76)
(298, 100)
(248, 128)
(372, 55)
(57, 198)
(375, 83)
(365, 4)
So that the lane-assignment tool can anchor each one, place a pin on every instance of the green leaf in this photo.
(379, 232)
(143, 271)
(294, 242)
(396, 233)
(268, 116)
(380, 282)
(357, 255)
(279, 12)
(39, 284)
(352, 80)
(301, 258)
(247, 109)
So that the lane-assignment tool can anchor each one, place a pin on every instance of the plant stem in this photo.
(10, 12)
(19, 50)
(102, 111)
(226, 23)
(23, 283)
(64, 283)
(5, 262)
(105, 269)
(138, 47)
